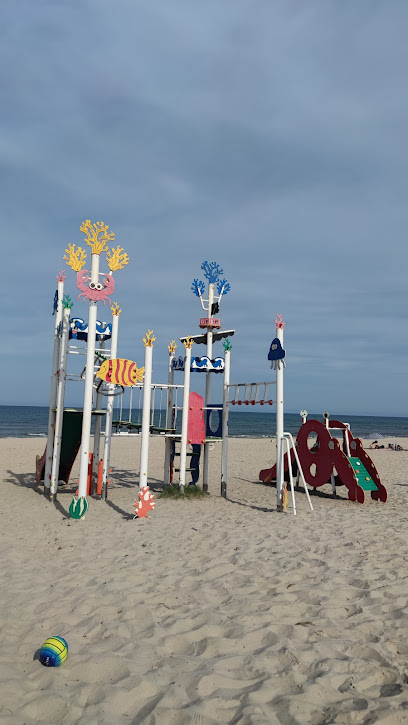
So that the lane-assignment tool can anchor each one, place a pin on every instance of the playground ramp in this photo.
(70, 445)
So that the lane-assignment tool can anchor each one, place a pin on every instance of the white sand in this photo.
(210, 611)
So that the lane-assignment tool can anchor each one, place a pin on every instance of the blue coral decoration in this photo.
(223, 286)
(198, 287)
(212, 271)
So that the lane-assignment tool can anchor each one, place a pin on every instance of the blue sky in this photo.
(269, 136)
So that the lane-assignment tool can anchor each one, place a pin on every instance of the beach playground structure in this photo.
(197, 426)
(64, 439)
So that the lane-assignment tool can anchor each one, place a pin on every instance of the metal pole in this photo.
(89, 381)
(225, 412)
(208, 385)
(184, 423)
(109, 410)
(279, 423)
(59, 416)
(54, 386)
(169, 415)
(97, 435)
(147, 390)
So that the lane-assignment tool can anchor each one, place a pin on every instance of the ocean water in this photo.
(23, 421)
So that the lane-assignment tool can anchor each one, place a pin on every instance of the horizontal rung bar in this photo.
(157, 386)
(247, 385)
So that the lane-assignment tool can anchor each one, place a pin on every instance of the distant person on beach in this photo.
(395, 447)
(374, 445)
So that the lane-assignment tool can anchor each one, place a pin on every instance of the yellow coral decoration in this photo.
(149, 339)
(115, 309)
(172, 347)
(188, 342)
(117, 258)
(76, 257)
(96, 235)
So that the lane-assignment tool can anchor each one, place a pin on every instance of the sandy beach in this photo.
(209, 611)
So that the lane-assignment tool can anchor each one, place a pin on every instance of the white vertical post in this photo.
(279, 422)
(169, 415)
(184, 422)
(225, 412)
(208, 385)
(54, 386)
(59, 416)
(89, 380)
(109, 411)
(97, 435)
(147, 390)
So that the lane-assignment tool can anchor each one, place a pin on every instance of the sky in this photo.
(269, 136)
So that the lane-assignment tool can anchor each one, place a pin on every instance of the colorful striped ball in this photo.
(54, 652)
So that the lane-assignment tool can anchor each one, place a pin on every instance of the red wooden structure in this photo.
(349, 463)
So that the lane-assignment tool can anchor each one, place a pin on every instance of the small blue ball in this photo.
(54, 652)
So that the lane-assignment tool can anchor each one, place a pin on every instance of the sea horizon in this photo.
(20, 421)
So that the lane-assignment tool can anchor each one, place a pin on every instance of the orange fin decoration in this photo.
(144, 504)
(285, 496)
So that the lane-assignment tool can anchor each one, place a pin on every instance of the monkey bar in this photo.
(249, 393)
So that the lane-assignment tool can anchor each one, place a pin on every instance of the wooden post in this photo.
(279, 422)
(225, 413)
(184, 424)
(89, 381)
(62, 373)
(208, 385)
(54, 385)
(147, 390)
(169, 413)
(110, 405)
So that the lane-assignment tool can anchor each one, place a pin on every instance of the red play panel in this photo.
(196, 424)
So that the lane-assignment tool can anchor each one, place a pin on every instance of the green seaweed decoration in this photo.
(67, 302)
(227, 345)
(78, 508)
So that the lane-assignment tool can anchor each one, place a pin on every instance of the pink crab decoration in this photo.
(95, 291)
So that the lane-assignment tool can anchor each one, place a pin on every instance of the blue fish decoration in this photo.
(55, 305)
(201, 364)
(204, 364)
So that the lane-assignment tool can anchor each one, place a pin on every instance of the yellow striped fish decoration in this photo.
(120, 371)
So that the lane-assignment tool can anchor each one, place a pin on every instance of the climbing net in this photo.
(250, 393)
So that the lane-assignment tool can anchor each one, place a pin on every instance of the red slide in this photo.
(269, 474)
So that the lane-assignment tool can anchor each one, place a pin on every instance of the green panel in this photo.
(71, 442)
(363, 477)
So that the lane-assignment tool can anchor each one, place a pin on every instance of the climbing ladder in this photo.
(193, 468)
(364, 479)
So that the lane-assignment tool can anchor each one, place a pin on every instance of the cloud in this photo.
(269, 137)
